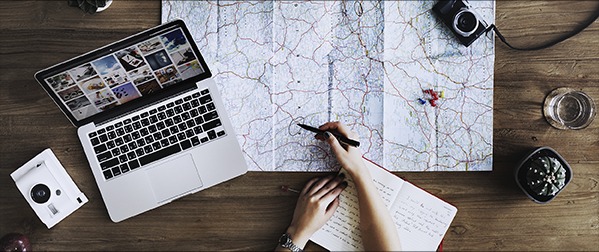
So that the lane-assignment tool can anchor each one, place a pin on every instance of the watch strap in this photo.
(286, 242)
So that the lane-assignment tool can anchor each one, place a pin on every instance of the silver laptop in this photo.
(149, 117)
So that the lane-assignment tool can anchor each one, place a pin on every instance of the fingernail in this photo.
(341, 175)
(344, 183)
(327, 135)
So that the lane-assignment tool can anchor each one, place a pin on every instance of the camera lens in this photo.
(465, 22)
(40, 193)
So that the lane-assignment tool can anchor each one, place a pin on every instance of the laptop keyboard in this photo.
(157, 133)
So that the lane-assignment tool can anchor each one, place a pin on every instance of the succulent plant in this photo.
(546, 176)
(89, 6)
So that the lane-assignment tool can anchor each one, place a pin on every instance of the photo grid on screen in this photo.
(139, 70)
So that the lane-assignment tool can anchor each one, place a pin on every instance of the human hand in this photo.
(317, 202)
(349, 157)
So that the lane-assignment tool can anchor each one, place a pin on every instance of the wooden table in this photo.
(250, 213)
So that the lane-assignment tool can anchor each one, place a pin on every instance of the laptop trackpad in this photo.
(174, 178)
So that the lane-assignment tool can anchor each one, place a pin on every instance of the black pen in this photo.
(339, 137)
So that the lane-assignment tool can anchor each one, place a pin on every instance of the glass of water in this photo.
(567, 108)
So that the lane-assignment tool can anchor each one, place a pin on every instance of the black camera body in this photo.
(461, 19)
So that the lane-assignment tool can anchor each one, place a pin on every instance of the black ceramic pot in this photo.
(543, 174)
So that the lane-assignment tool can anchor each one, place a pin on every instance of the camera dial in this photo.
(40, 193)
(465, 22)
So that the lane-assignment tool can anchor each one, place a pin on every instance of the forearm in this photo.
(376, 225)
(299, 236)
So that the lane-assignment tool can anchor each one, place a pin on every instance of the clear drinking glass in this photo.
(567, 108)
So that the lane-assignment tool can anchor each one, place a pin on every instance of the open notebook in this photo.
(421, 218)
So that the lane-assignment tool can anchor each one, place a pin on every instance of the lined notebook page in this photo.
(421, 218)
(342, 231)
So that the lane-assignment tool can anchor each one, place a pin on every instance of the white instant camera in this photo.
(48, 188)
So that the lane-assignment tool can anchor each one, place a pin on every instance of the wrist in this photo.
(298, 237)
(358, 170)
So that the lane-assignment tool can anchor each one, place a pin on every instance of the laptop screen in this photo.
(144, 65)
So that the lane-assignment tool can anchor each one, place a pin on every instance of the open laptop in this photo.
(149, 117)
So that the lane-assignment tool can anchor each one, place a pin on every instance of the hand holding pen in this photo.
(328, 127)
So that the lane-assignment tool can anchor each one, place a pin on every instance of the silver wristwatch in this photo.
(286, 242)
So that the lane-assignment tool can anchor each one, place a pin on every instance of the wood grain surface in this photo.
(250, 213)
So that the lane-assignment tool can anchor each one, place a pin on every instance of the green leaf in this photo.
(85, 7)
(73, 3)
(92, 9)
